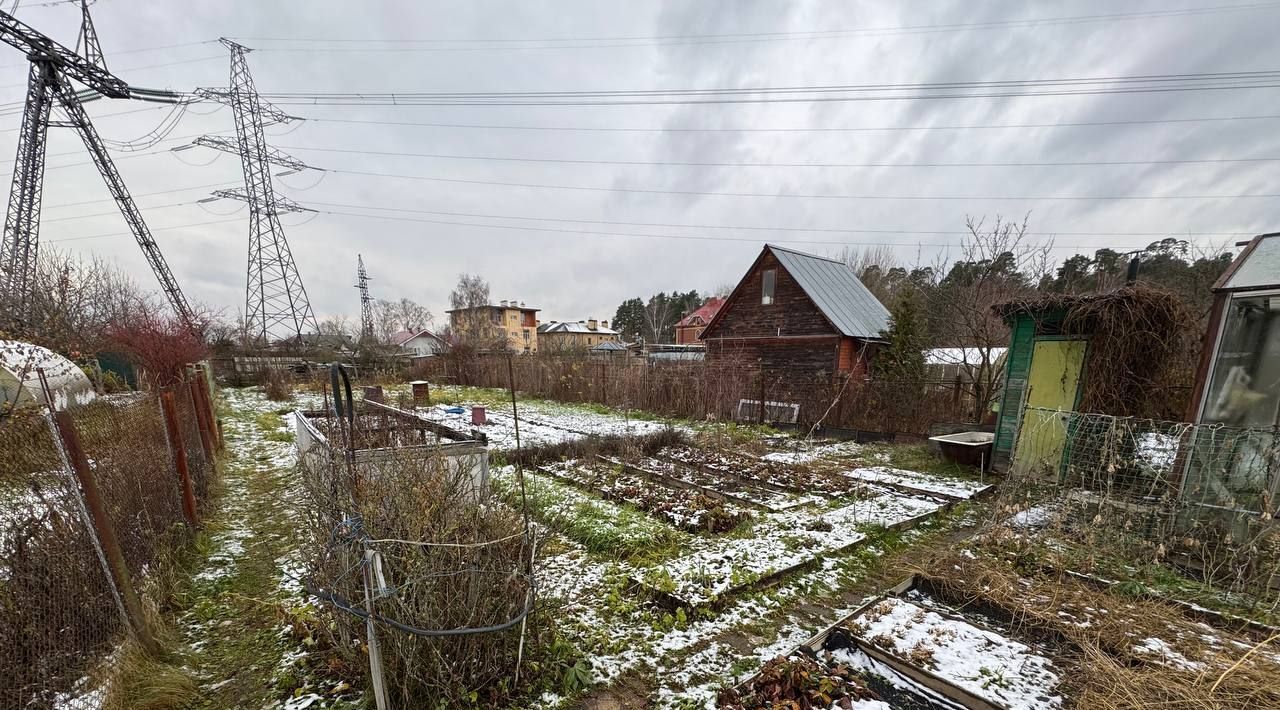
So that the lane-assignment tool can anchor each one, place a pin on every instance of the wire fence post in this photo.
(100, 528)
(371, 558)
(207, 397)
(202, 420)
(179, 451)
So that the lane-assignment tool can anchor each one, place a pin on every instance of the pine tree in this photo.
(898, 370)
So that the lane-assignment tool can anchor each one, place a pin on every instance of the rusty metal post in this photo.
(103, 530)
(179, 451)
(206, 396)
(202, 423)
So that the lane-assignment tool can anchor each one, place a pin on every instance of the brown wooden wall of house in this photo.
(791, 313)
(802, 360)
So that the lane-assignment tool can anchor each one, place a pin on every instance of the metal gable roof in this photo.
(837, 292)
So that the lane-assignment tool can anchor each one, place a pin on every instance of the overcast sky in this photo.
(581, 275)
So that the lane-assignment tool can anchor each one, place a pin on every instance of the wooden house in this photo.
(689, 329)
(798, 316)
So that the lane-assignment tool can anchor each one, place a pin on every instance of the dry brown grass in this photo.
(277, 384)
(1098, 630)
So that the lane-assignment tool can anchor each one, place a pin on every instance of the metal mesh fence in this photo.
(1202, 496)
(61, 612)
(56, 607)
(200, 465)
(131, 461)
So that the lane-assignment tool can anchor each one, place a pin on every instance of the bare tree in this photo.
(336, 326)
(74, 302)
(998, 265)
(471, 293)
(405, 314)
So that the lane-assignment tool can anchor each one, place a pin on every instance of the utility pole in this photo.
(366, 302)
(53, 66)
(276, 304)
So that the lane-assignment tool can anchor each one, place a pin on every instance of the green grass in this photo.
(599, 526)
(232, 623)
(270, 423)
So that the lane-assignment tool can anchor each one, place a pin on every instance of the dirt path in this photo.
(243, 618)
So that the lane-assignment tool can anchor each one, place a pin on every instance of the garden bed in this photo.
(1139, 648)
(912, 650)
(920, 483)
(718, 483)
(959, 649)
(598, 525)
(784, 477)
(540, 427)
(779, 544)
(691, 511)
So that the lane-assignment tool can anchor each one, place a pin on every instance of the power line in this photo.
(772, 228)
(109, 214)
(126, 156)
(743, 37)
(713, 164)
(129, 234)
(692, 237)
(757, 228)
(115, 53)
(106, 115)
(741, 96)
(142, 68)
(819, 196)
(730, 97)
(140, 194)
(834, 129)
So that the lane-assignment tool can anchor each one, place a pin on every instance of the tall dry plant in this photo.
(451, 558)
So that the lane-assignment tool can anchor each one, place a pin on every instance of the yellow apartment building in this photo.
(512, 319)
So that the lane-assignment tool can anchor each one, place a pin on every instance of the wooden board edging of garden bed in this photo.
(670, 481)
(922, 676)
(671, 601)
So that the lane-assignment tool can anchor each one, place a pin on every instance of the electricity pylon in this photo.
(276, 304)
(53, 66)
(366, 302)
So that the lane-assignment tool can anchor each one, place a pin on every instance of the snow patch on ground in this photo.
(1167, 655)
(541, 425)
(983, 662)
(779, 541)
(808, 453)
(956, 488)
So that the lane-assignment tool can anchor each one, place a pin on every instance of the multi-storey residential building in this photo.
(512, 321)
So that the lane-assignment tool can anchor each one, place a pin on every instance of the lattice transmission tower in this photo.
(366, 301)
(53, 67)
(276, 304)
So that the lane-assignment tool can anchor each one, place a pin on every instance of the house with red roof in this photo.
(689, 329)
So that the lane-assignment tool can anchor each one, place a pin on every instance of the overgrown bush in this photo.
(276, 384)
(449, 559)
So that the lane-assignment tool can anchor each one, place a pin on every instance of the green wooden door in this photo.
(1053, 385)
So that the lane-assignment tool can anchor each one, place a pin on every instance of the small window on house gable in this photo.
(767, 280)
